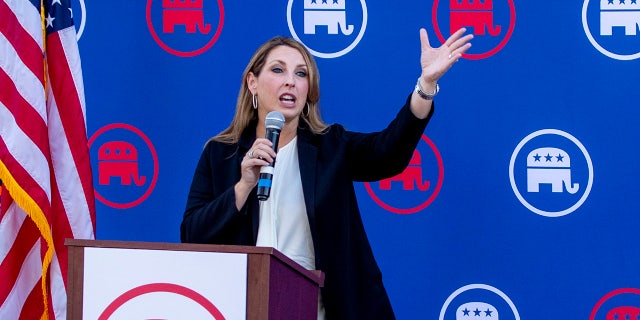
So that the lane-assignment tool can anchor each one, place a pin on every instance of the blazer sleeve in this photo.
(211, 215)
(379, 155)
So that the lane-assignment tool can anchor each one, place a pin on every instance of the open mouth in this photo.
(288, 98)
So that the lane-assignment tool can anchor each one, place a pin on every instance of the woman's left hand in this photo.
(436, 61)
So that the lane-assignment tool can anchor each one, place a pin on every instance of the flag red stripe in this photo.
(35, 304)
(61, 229)
(27, 118)
(9, 269)
(28, 49)
(28, 184)
(5, 201)
(71, 115)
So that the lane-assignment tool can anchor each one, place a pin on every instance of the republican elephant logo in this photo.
(331, 14)
(623, 313)
(549, 166)
(411, 177)
(473, 13)
(616, 13)
(188, 13)
(477, 311)
(119, 159)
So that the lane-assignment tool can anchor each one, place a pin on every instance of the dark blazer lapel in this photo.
(244, 144)
(307, 158)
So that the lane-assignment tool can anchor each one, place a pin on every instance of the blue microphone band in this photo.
(266, 182)
(264, 186)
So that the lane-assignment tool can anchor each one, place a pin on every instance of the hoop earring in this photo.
(308, 109)
(254, 101)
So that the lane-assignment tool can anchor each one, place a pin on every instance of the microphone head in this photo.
(274, 120)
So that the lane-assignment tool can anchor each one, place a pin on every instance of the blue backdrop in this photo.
(520, 201)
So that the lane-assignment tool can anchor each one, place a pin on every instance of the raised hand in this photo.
(436, 61)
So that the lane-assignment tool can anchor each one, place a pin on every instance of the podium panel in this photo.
(140, 280)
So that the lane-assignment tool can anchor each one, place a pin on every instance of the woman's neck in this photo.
(287, 134)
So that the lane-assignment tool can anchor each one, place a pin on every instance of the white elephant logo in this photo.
(329, 13)
(619, 13)
(549, 166)
(476, 310)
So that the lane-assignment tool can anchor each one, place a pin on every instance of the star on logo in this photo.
(465, 312)
(488, 313)
(476, 312)
(548, 157)
(559, 157)
(537, 157)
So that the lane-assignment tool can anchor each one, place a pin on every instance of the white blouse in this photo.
(283, 216)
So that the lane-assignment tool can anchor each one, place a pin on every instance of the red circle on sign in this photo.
(161, 287)
(155, 165)
(478, 56)
(185, 53)
(610, 295)
(429, 200)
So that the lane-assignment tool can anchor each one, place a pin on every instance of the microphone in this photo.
(274, 123)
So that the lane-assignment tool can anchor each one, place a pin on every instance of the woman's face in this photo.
(283, 83)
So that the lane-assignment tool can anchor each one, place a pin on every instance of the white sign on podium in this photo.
(160, 284)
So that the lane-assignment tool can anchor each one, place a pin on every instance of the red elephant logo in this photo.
(188, 13)
(475, 14)
(119, 159)
(623, 312)
(411, 177)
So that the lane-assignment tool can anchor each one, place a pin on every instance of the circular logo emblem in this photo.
(491, 23)
(479, 301)
(622, 304)
(127, 165)
(185, 28)
(612, 27)
(330, 29)
(79, 14)
(551, 173)
(416, 187)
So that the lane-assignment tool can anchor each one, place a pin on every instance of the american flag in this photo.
(44, 158)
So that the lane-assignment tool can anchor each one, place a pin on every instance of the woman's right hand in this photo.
(260, 154)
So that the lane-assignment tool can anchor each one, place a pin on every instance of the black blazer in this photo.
(329, 163)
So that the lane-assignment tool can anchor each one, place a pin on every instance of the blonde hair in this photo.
(245, 113)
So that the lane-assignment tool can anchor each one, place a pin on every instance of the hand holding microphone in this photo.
(274, 123)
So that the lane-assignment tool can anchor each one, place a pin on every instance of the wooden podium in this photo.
(116, 276)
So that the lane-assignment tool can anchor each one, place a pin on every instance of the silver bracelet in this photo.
(426, 96)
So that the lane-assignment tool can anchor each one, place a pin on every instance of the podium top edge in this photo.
(167, 246)
(315, 275)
